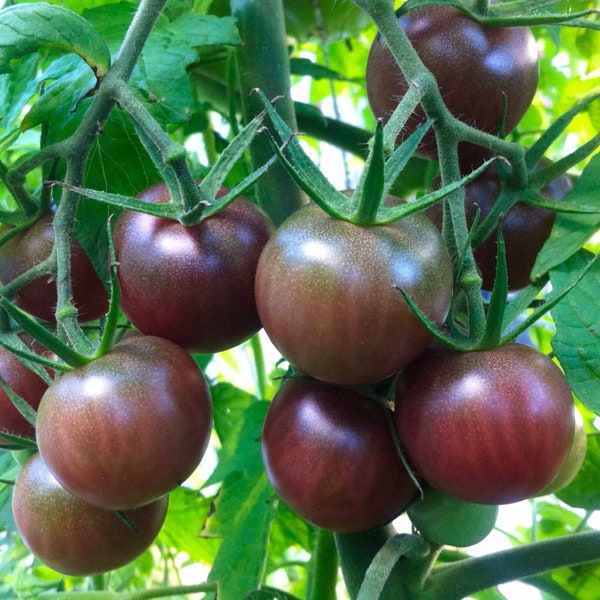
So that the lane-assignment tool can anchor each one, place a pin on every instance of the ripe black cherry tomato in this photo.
(31, 247)
(489, 426)
(525, 228)
(325, 292)
(329, 453)
(128, 427)
(73, 537)
(192, 285)
(477, 69)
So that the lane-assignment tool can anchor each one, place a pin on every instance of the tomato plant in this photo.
(193, 285)
(329, 454)
(38, 297)
(489, 426)
(487, 77)
(73, 537)
(231, 114)
(128, 427)
(325, 294)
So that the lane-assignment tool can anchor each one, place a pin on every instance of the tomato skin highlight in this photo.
(476, 67)
(34, 245)
(192, 285)
(128, 427)
(490, 427)
(326, 297)
(75, 538)
(329, 453)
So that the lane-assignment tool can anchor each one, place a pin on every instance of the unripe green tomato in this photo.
(573, 462)
(445, 520)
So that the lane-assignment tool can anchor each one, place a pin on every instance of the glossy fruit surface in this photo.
(445, 520)
(31, 247)
(489, 427)
(75, 538)
(128, 427)
(325, 293)
(26, 384)
(192, 285)
(476, 68)
(525, 228)
(329, 454)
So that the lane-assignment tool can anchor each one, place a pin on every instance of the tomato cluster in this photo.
(371, 409)
(477, 428)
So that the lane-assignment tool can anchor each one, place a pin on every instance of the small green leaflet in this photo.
(572, 230)
(27, 28)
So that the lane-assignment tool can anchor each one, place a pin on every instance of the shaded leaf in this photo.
(572, 231)
(27, 28)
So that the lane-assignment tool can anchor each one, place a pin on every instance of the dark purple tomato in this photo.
(329, 454)
(128, 427)
(73, 537)
(489, 426)
(192, 285)
(26, 384)
(325, 293)
(33, 246)
(525, 228)
(477, 69)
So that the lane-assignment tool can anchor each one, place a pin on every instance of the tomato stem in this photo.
(466, 577)
(323, 568)
(264, 64)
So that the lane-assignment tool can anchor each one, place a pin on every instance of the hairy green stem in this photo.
(264, 63)
(76, 150)
(449, 131)
(183, 188)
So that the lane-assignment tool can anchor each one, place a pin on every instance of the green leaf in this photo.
(244, 511)
(577, 319)
(186, 515)
(16, 90)
(27, 28)
(245, 507)
(241, 450)
(583, 491)
(572, 231)
(229, 405)
(306, 67)
(8, 472)
(72, 81)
